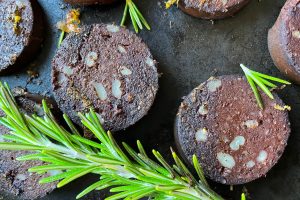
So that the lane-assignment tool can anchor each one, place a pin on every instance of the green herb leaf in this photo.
(243, 196)
(199, 170)
(94, 187)
(56, 177)
(18, 147)
(77, 174)
(256, 92)
(258, 79)
(137, 19)
(35, 156)
(61, 38)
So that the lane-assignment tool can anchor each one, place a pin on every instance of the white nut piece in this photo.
(203, 109)
(250, 164)
(61, 78)
(125, 71)
(150, 62)
(296, 34)
(262, 156)
(213, 85)
(237, 142)
(121, 49)
(201, 135)
(225, 139)
(91, 58)
(67, 70)
(116, 89)
(251, 123)
(226, 160)
(100, 90)
(21, 177)
(113, 28)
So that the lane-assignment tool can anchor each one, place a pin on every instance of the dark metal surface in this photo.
(189, 51)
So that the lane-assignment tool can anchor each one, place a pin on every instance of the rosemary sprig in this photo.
(263, 81)
(137, 19)
(128, 174)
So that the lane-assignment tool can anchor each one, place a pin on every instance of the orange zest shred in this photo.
(71, 24)
(202, 2)
(17, 19)
(169, 3)
(282, 108)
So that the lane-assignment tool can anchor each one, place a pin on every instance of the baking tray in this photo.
(189, 51)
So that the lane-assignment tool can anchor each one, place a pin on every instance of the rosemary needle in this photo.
(263, 82)
(129, 174)
(61, 38)
(137, 19)
(243, 196)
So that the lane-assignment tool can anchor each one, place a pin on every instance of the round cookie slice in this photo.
(207, 9)
(234, 140)
(15, 180)
(284, 38)
(21, 32)
(108, 68)
(90, 2)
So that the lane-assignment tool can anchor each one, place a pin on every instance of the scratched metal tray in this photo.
(189, 51)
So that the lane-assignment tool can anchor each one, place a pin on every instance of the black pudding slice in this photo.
(234, 140)
(207, 9)
(108, 68)
(19, 39)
